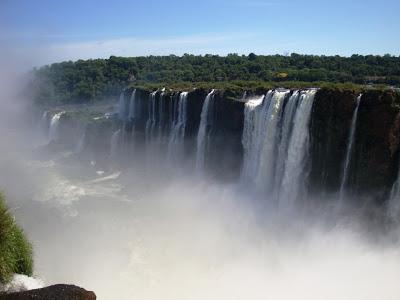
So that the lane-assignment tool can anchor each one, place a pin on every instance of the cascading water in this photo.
(151, 121)
(269, 139)
(54, 126)
(286, 130)
(295, 173)
(261, 138)
(349, 150)
(132, 106)
(161, 114)
(178, 126)
(276, 141)
(158, 128)
(250, 138)
(204, 130)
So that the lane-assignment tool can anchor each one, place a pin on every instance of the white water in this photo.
(287, 127)
(276, 141)
(251, 134)
(158, 131)
(204, 130)
(295, 174)
(349, 151)
(161, 116)
(54, 127)
(195, 240)
(178, 127)
(132, 106)
(21, 283)
(269, 128)
(151, 120)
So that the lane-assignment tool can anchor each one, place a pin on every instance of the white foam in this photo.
(21, 283)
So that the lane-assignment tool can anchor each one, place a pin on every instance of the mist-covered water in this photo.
(186, 238)
(143, 233)
(204, 130)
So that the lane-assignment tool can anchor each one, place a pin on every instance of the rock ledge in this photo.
(54, 292)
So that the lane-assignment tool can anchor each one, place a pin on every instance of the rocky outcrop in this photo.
(330, 125)
(377, 144)
(226, 150)
(374, 160)
(54, 292)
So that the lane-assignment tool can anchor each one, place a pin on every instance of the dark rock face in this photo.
(330, 125)
(195, 105)
(373, 164)
(226, 149)
(54, 292)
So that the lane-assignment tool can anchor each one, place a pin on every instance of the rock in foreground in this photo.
(54, 292)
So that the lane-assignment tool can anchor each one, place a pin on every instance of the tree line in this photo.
(86, 80)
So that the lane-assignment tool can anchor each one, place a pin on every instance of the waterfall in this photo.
(151, 120)
(349, 150)
(295, 173)
(260, 138)
(133, 110)
(204, 130)
(178, 126)
(286, 130)
(268, 125)
(276, 141)
(54, 126)
(244, 96)
(160, 119)
(251, 137)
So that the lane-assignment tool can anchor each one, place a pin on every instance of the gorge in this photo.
(202, 193)
(199, 150)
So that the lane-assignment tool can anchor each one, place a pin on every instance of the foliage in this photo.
(87, 80)
(15, 250)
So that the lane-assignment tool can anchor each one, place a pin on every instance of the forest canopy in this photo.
(88, 80)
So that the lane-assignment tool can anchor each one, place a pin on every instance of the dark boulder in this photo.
(54, 292)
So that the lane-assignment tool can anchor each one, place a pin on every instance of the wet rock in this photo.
(54, 292)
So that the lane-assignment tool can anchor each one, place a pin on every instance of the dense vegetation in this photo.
(15, 250)
(86, 80)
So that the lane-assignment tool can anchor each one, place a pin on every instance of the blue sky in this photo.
(57, 30)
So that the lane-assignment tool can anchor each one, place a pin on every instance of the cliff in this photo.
(373, 166)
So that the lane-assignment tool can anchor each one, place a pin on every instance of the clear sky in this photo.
(54, 30)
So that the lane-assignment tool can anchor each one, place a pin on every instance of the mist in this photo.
(142, 233)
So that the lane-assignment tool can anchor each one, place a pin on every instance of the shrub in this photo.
(15, 249)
